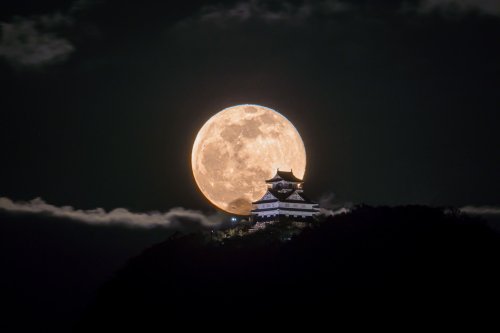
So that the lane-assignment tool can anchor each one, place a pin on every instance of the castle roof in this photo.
(286, 176)
(283, 197)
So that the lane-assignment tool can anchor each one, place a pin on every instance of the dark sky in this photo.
(396, 102)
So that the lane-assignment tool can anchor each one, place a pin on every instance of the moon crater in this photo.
(238, 148)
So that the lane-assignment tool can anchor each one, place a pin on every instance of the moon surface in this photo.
(240, 147)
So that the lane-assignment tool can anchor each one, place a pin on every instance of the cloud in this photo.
(176, 218)
(491, 7)
(37, 41)
(80, 6)
(333, 212)
(328, 207)
(481, 210)
(327, 200)
(33, 42)
(268, 11)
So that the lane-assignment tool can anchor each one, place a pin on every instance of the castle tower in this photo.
(284, 198)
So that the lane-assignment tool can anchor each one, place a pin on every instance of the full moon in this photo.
(240, 147)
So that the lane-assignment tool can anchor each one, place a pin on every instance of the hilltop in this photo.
(371, 259)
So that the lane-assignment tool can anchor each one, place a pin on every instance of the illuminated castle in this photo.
(284, 199)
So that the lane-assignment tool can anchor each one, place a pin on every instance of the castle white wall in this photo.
(289, 213)
(284, 205)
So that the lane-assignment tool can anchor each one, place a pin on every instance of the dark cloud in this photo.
(297, 12)
(80, 6)
(491, 7)
(39, 40)
(269, 12)
(34, 41)
(328, 206)
(176, 218)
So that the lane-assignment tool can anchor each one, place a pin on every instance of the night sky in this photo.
(100, 102)
(396, 102)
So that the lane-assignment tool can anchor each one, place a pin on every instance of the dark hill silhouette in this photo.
(50, 268)
(372, 260)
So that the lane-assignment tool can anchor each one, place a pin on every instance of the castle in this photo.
(284, 199)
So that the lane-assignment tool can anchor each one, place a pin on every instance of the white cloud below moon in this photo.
(481, 210)
(176, 218)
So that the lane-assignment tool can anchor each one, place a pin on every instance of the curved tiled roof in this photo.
(286, 176)
(283, 197)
